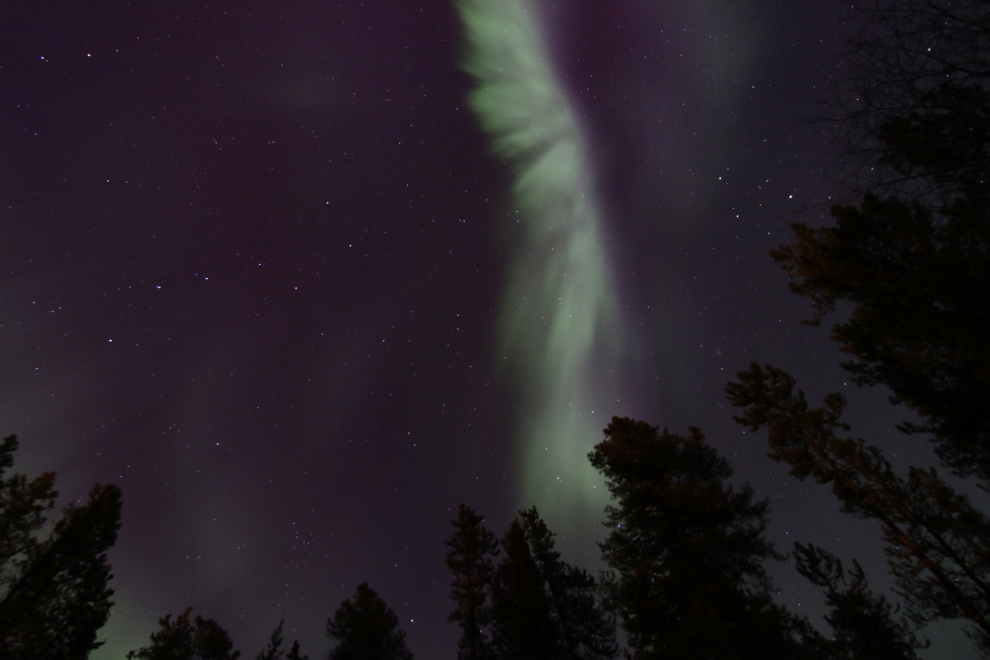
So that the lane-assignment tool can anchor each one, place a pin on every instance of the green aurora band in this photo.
(560, 329)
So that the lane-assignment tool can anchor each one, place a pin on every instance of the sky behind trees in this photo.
(255, 257)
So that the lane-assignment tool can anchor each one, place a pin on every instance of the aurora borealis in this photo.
(559, 311)
(301, 277)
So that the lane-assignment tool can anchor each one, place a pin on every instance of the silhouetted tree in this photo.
(472, 548)
(586, 630)
(909, 103)
(53, 589)
(24, 505)
(272, 650)
(918, 323)
(913, 256)
(687, 551)
(178, 639)
(294, 653)
(366, 629)
(938, 543)
(523, 622)
(537, 605)
(865, 626)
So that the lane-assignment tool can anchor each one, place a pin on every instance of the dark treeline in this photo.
(686, 550)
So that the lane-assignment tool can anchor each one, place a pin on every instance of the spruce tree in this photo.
(472, 548)
(523, 620)
(180, 639)
(586, 631)
(273, 650)
(365, 628)
(533, 603)
(294, 652)
(688, 551)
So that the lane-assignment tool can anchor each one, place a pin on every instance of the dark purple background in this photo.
(252, 262)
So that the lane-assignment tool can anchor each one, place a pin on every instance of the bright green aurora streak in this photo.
(560, 328)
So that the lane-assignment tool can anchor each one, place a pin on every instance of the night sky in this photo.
(255, 263)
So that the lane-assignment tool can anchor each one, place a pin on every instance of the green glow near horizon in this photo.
(559, 326)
